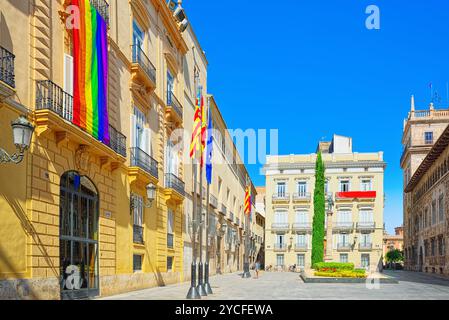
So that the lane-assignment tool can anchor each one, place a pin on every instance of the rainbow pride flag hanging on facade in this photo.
(90, 55)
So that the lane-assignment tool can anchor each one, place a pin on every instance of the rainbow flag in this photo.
(90, 55)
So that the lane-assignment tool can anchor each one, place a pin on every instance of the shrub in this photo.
(335, 266)
(340, 274)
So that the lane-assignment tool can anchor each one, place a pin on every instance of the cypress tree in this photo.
(318, 214)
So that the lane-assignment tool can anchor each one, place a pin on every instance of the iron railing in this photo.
(280, 246)
(366, 225)
(281, 196)
(343, 246)
(174, 103)
(302, 226)
(231, 216)
(7, 67)
(301, 246)
(280, 226)
(52, 97)
(223, 209)
(343, 225)
(173, 182)
(103, 9)
(138, 234)
(141, 159)
(140, 58)
(170, 240)
(365, 246)
(304, 196)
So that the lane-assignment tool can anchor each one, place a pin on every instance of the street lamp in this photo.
(22, 131)
(151, 196)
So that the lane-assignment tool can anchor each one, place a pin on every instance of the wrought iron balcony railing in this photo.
(343, 247)
(366, 226)
(140, 58)
(7, 74)
(343, 225)
(301, 246)
(281, 196)
(138, 234)
(174, 103)
(173, 182)
(52, 97)
(141, 159)
(103, 9)
(231, 216)
(280, 226)
(302, 196)
(223, 209)
(280, 247)
(365, 246)
(302, 226)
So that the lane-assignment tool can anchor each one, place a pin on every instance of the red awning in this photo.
(357, 194)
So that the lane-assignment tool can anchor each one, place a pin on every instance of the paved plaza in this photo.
(289, 286)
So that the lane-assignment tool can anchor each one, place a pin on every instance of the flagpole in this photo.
(246, 273)
(193, 291)
(200, 287)
(206, 265)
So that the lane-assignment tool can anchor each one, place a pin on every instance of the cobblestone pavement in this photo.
(289, 286)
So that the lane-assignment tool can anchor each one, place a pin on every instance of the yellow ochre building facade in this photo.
(81, 218)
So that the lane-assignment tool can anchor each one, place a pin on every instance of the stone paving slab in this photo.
(289, 286)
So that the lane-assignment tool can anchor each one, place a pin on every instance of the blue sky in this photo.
(311, 69)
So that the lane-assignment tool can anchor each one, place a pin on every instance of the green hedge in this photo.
(333, 266)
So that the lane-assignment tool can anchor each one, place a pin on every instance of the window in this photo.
(280, 239)
(344, 217)
(434, 212)
(365, 261)
(366, 216)
(281, 189)
(428, 137)
(441, 208)
(301, 260)
(365, 239)
(170, 84)
(138, 219)
(302, 217)
(280, 260)
(366, 185)
(343, 239)
(344, 185)
(169, 264)
(301, 240)
(344, 258)
(137, 262)
(280, 217)
(170, 229)
(302, 188)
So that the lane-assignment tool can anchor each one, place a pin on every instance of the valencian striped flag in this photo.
(90, 55)
(197, 125)
(248, 200)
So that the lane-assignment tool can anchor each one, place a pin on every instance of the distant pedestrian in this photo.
(257, 268)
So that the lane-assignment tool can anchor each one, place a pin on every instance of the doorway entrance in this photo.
(78, 237)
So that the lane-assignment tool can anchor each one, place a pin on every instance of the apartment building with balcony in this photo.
(426, 234)
(257, 252)
(422, 129)
(77, 221)
(355, 182)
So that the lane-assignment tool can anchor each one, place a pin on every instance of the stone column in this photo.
(329, 237)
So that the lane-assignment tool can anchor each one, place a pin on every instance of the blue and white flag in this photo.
(209, 148)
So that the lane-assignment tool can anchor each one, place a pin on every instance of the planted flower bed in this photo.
(338, 270)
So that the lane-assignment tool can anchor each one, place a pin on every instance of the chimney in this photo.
(412, 104)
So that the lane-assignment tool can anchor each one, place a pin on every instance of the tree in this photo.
(318, 214)
(394, 256)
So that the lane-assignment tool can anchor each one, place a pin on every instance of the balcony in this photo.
(366, 226)
(302, 227)
(356, 195)
(143, 71)
(7, 76)
(54, 113)
(302, 197)
(237, 221)
(301, 247)
(173, 111)
(231, 216)
(365, 246)
(143, 168)
(213, 201)
(138, 234)
(343, 247)
(102, 7)
(174, 188)
(280, 247)
(281, 197)
(343, 226)
(280, 227)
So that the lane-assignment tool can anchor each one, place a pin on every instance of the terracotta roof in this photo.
(433, 155)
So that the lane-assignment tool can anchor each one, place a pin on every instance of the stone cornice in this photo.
(329, 165)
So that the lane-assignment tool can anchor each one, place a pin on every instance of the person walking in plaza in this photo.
(257, 268)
